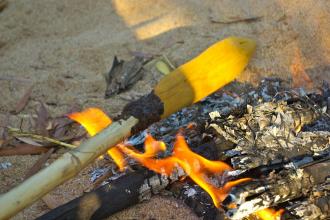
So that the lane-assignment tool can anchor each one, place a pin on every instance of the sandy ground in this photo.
(63, 48)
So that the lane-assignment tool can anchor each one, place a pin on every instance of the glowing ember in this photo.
(269, 214)
(196, 167)
(95, 120)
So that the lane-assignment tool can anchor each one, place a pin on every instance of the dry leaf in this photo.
(42, 120)
(60, 127)
(29, 141)
(23, 101)
(123, 74)
(163, 67)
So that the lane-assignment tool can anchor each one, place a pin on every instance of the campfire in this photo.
(243, 152)
(269, 160)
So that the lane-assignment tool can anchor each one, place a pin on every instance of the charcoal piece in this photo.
(269, 88)
(196, 199)
(308, 209)
(322, 124)
(123, 74)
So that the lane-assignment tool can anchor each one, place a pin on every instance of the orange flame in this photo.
(199, 169)
(195, 166)
(269, 214)
(95, 120)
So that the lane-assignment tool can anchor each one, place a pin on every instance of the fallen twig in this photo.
(17, 133)
(238, 20)
(168, 62)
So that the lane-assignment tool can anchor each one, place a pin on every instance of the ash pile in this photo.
(277, 136)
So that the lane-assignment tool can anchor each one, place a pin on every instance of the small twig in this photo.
(18, 133)
(238, 20)
(168, 62)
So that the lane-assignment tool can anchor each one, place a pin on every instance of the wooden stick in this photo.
(64, 168)
(198, 78)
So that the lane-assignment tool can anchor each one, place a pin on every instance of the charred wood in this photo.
(287, 185)
(196, 199)
(113, 197)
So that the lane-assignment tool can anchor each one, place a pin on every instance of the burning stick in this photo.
(189, 83)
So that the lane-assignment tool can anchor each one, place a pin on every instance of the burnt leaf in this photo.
(123, 74)
(60, 127)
